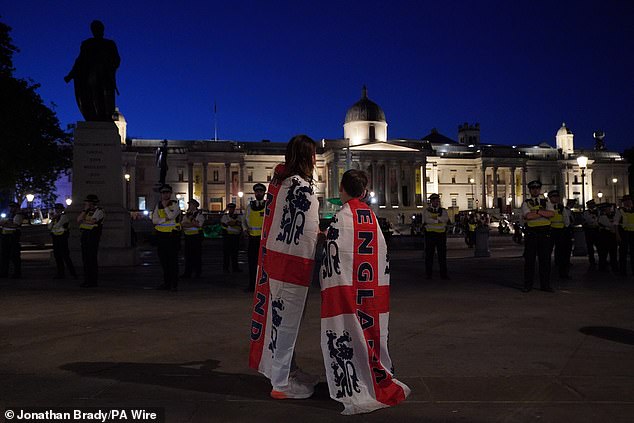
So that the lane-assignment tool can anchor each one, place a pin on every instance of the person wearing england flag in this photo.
(355, 283)
(285, 267)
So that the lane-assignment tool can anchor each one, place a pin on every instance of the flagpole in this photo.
(215, 123)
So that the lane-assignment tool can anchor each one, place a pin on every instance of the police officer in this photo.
(625, 233)
(435, 220)
(231, 230)
(58, 226)
(10, 234)
(607, 237)
(193, 229)
(90, 225)
(560, 234)
(166, 218)
(591, 231)
(252, 225)
(537, 212)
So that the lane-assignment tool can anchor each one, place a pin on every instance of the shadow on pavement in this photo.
(623, 336)
(200, 376)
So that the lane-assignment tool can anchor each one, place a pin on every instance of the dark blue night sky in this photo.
(277, 68)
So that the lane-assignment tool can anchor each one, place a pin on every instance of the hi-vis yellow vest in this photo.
(168, 225)
(192, 230)
(536, 205)
(435, 227)
(628, 220)
(89, 226)
(255, 219)
(557, 221)
(57, 230)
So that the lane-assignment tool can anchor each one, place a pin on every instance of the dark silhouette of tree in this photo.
(34, 150)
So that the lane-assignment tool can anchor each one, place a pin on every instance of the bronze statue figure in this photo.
(94, 75)
(161, 161)
(599, 140)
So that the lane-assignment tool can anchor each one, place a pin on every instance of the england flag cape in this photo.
(285, 268)
(355, 285)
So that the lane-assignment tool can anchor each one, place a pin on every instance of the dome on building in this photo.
(365, 110)
(564, 130)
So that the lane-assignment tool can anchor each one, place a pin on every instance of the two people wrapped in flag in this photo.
(354, 277)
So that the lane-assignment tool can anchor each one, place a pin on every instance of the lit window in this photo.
(141, 202)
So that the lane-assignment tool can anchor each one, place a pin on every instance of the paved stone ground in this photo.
(473, 349)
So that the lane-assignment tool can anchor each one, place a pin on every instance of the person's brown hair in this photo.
(299, 157)
(354, 182)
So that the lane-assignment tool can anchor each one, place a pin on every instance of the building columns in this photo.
(227, 183)
(204, 201)
(434, 176)
(386, 185)
(523, 184)
(423, 181)
(399, 183)
(335, 177)
(375, 174)
(412, 185)
(190, 180)
(484, 187)
(513, 202)
(563, 186)
(495, 187)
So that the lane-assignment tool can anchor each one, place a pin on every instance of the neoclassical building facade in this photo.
(467, 173)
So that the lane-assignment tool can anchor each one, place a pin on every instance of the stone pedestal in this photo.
(97, 169)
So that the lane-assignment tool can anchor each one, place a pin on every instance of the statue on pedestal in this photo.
(161, 162)
(94, 75)
(599, 140)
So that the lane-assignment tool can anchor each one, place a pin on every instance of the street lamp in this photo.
(600, 195)
(614, 181)
(582, 161)
(29, 201)
(240, 195)
(69, 201)
(126, 176)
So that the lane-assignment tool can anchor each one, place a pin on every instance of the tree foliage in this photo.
(34, 150)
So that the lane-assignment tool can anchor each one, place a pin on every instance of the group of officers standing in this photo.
(548, 225)
(169, 223)
(90, 222)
